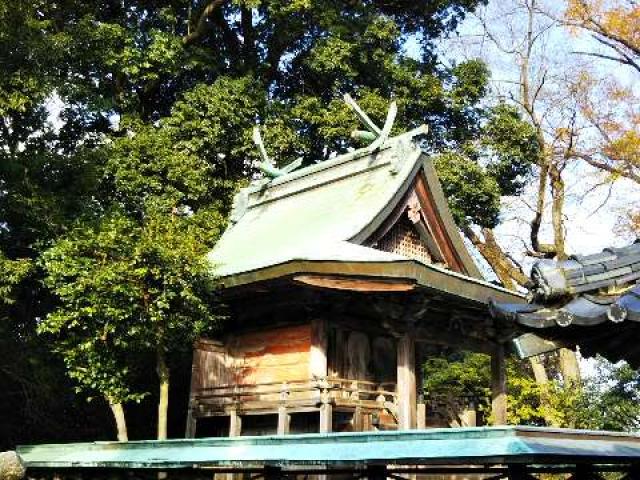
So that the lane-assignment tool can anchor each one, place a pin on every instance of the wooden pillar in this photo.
(319, 345)
(195, 385)
(318, 369)
(326, 417)
(284, 421)
(499, 386)
(358, 420)
(421, 407)
(469, 416)
(421, 415)
(235, 424)
(190, 430)
(406, 387)
(569, 366)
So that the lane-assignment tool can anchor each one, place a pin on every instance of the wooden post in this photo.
(499, 386)
(319, 345)
(326, 417)
(195, 385)
(284, 420)
(421, 407)
(318, 369)
(190, 430)
(235, 423)
(367, 422)
(358, 420)
(421, 415)
(406, 382)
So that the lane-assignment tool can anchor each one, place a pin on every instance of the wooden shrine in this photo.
(339, 278)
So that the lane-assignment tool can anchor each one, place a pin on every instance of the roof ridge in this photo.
(323, 173)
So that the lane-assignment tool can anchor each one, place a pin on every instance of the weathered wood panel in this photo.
(384, 359)
(212, 365)
(358, 356)
(276, 355)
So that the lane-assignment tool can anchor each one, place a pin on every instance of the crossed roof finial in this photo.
(373, 133)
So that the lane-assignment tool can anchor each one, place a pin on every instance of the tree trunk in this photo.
(557, 210)
(163, 403)
(506, 271)
(121, 423)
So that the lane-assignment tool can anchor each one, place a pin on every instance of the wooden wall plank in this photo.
(276, 355)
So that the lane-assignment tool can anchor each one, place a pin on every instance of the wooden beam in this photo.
(357, 284)
(499, 386)
(406, 383)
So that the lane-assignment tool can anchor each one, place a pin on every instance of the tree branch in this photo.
(200, 25)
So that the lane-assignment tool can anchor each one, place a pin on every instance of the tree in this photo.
(614, 25)
(128, 288)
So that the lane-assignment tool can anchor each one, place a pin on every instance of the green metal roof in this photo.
(480, 445)
(318, 213)
(317, 219)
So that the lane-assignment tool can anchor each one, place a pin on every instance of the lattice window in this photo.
(403, 239)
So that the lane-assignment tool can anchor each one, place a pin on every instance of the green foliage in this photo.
(513, 146)
(460, 374)
(611, 399)
(125, 288)
(13, 272)
(498, 163)
(473, 194)
(608, 400)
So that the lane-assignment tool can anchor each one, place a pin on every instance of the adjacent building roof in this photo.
(481, 446)
(327, 218)
(592, 301)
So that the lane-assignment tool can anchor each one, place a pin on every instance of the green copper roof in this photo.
(316, 220)
(425, 447)
(315, 213)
